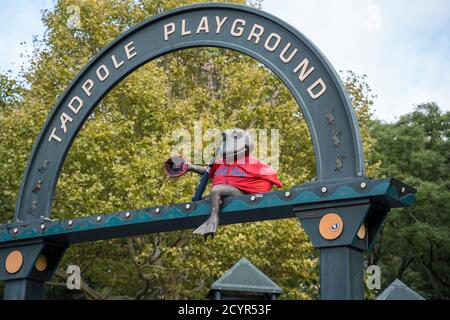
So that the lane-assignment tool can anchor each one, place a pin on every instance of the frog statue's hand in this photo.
(175, 166)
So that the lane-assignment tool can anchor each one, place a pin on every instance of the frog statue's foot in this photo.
(209, 227)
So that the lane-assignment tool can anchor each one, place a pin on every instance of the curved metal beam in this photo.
(288, 53)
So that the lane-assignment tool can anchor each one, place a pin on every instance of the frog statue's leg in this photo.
(218, 191)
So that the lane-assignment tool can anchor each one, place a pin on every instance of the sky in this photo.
(20, 20)
(403, 46)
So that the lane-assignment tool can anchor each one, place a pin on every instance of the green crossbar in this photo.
(245, 208)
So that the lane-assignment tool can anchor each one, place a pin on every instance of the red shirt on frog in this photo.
(248, 174)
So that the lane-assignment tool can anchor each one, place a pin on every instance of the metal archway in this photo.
(290, 55)
(341, 191)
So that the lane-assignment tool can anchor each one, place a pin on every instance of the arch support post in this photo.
(27, 265)
(343, 231)
(24, 289)
(341, 273)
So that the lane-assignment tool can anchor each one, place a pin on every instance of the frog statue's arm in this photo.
(197, 169)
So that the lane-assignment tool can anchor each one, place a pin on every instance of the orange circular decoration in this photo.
(331, 226)
(41, 263)
(14, 261)
(362, 232)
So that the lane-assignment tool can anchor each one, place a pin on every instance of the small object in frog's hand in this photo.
(175, 166)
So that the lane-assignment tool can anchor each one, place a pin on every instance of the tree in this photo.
(115, 162)
(10, 92)
(415, 243)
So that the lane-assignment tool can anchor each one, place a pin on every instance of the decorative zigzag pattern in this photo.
(246, 208)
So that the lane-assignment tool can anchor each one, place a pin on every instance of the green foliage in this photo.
(10, 92)
(116, 161)
(361, 97)
(415, 244)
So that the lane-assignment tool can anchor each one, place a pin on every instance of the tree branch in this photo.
(87, 290)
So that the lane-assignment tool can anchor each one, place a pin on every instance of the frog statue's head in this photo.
(237, 144)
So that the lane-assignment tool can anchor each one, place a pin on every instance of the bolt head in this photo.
(363, 185)
(127, 215)
(188, 206)
(99, 218)
(287, 194)
(335, 227)
(15, 230)
(252, 198)
(324, 189)
(42, 226)
(70, 222)
(157, 210)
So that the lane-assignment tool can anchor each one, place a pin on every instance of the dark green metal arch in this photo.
(333, 161)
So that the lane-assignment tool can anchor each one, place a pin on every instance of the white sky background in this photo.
(20, 20)
(403, 46)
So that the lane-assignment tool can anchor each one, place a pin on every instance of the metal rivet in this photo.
(324, 189)
(287, 194)
(127, 215)
(252, 198)
(70, 222)
(99, 218)
(42, 226)
(363, 185)
(157, 210)
(403, 190)
(15, 230)
(335, 227)
(188, 206)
